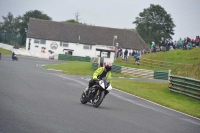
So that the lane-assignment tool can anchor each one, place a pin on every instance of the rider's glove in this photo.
(96, 80)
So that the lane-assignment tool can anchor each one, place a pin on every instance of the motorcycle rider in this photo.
(100, 73)
(13, 54)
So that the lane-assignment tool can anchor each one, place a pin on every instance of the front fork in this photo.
(98, 91)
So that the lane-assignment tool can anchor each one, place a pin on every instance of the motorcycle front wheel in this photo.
(98, 99)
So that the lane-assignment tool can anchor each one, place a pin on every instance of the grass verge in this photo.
(155, 92)
(159, 93)
(7, 52)
(79, 68)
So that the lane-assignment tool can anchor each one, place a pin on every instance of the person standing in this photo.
(126, 54)
(197, 40)
(138, 57)
(180, 43)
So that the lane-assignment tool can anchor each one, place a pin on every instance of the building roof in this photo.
(84, 34)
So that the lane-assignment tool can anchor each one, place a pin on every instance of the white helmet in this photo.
(108, 66)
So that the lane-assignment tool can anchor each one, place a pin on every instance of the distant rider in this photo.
(13, 54)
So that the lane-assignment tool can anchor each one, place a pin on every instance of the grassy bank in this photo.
(6, 52)
(156, 92)
(185, 62)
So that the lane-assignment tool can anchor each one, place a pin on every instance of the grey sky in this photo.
(111, 13)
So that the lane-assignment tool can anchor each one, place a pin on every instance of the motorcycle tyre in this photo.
(82, 99)
(100, 100)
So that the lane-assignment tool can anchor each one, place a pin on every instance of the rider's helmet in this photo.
(108, 66)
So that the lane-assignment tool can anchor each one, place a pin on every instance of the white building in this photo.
(46, 36)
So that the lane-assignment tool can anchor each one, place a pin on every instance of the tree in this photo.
(77, 14)
(25, 19)
(10, 24)
(154, 24)
(72, 21)
(9, 28)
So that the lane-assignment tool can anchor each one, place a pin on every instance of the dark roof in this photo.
(69, 32)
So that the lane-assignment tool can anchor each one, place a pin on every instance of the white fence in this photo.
(26, 52)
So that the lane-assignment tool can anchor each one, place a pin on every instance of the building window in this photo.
(87, 46)
(39, 41)
(42, 41)
(64, 44)
(36, 41)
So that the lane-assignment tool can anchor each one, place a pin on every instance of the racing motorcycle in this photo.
(96, 93)
(15, 57)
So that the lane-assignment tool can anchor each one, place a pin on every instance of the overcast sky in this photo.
(111, 13)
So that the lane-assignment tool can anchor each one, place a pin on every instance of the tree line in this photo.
(153, 24)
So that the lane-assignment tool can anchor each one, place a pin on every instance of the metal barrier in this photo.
(140, 73)
(95, 66)
(156, 63)
(161, 75)
(184, 85)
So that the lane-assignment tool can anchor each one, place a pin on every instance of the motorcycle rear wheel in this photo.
(83, 98)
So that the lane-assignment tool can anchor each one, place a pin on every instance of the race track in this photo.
(35, 100)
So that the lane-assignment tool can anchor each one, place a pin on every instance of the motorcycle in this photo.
(15, 58)
(96, 93)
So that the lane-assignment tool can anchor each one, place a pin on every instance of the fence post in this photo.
(169, 74)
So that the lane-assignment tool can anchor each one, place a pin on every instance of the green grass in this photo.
(78, 68)
(177, 56)
(156, 92)
(159, 93)
(186, 62)
(6, 52)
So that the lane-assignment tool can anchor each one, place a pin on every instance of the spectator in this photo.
(171, 47)
(184, 43)
(175, 44)
(189, 45)
(120, 52)
(171, 44)
(153, 47)
(138, 57)
(197, 41)
(126, 54)
(167, 44)
(133, 53)
(180, 43)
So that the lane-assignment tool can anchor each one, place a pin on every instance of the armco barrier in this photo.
(94, 66)
(184, 85)
(161, 75)
(73, 58)
(156, 63)
(116, 68)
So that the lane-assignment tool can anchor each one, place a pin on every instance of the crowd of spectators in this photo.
(185, 44)
(127, 53)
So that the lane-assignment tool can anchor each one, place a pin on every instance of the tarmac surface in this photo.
(36, 100)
